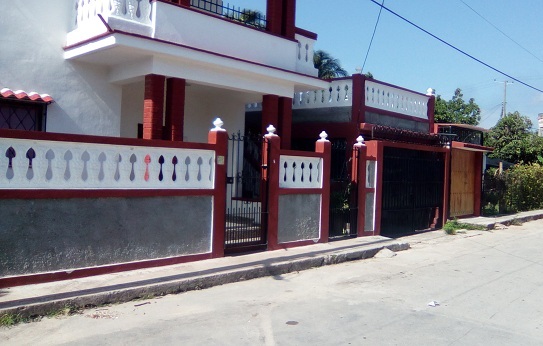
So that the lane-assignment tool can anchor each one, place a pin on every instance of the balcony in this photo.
(117, 33)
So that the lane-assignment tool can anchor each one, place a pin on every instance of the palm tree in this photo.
(328, 66)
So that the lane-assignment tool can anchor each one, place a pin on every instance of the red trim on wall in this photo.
(104, 193)
(306, 33)
(296, 244)
(107, 269)
(325, 148)
(272, 152)
(220, 140)
(300, 191)
(64, 137)
(359, 159)
(472, 147)
(431, 110)
(477, 204)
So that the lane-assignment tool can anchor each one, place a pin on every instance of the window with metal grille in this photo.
(22, 115)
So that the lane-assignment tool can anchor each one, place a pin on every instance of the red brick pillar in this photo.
(325, 147)
(270, 111)
(271, 154)
(285, 122)
(358, 177)
(153, 106)
(175, 109)
(219, 137)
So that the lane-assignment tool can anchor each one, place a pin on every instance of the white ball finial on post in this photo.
(360, 141)
(218, 125)
(323, 135)
(430, 92)
(271, 130)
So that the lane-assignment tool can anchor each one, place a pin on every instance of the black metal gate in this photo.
(412, 198)
(246, 209)
(343, 203)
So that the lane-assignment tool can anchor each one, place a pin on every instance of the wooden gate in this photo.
(412, 194)
(463, 175)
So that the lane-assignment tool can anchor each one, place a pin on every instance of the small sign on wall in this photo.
(220, 160)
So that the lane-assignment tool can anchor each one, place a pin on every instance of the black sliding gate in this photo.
(412, 198)
(246, 211)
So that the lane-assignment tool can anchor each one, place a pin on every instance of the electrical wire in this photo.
(503, 33)
(373, 35)
(457, 49)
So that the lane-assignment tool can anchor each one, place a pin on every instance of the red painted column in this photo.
(431, 108)
(271, 154)
(184, 3)
(478, 184)
(219, 137)
(175, 109)
(274, 16)
(447, 185)
(153, 106)
(270, 112)
(285, 121)
(325, 147)
(359, 92)
(358, 174)
(289, 19)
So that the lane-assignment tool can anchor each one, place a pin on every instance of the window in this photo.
(22, 115)
(20, 110)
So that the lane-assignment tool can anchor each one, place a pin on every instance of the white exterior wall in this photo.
(32, 41)
(202, 108)
(132, 109)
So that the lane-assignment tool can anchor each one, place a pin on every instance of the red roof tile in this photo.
(23, 95)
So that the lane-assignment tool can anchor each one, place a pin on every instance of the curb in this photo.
(41, 306)
(507, 221)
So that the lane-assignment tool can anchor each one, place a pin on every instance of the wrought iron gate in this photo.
(343, 203)
(246, 207)
(412, 197)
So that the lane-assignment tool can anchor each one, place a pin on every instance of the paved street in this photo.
(488, 287)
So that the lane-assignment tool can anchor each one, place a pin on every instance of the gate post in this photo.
(270, 178)
(325, 147)
(219, 137)
(358, 178)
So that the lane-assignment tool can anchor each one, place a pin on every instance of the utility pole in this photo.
(504, 104)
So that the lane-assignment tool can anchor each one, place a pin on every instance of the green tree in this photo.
(328, 66)
(513, 140)
(457, 110)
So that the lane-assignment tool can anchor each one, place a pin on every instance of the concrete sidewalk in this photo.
(40, 299)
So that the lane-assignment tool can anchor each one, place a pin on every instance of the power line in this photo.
(457, 49)
(373, 35)
(503, 33)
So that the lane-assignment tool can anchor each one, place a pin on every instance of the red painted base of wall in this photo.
(86, 272)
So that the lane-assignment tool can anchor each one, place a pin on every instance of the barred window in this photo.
(22, 115)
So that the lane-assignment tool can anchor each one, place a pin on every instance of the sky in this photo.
(405, 56)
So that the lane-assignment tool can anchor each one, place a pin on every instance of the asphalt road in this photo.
(487, 288)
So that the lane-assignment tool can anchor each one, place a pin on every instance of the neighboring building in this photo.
(418, 173)
(540, 124)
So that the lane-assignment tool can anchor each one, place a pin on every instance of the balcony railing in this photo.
(140, 11)
(248, 17)
(396, 100)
